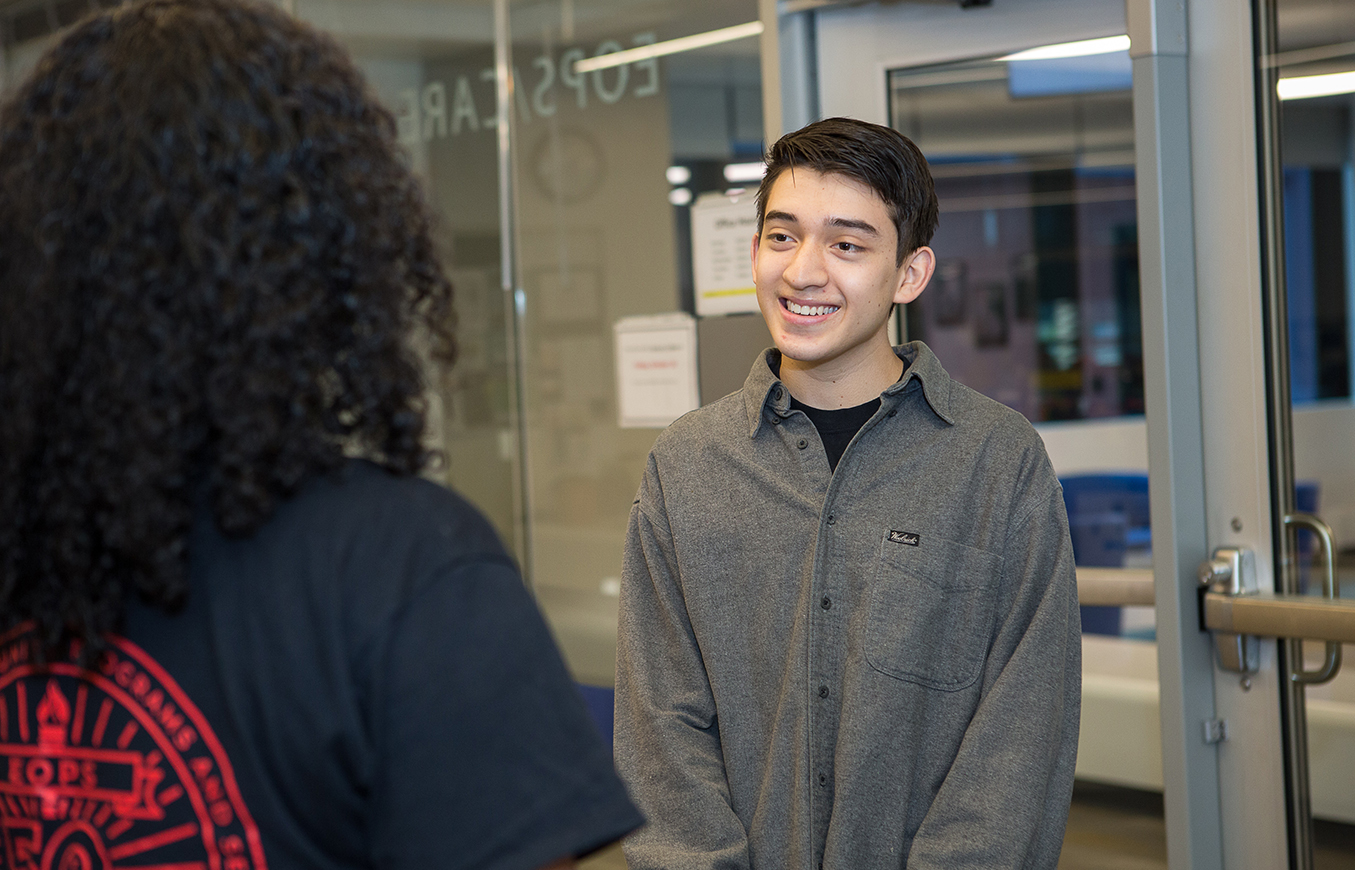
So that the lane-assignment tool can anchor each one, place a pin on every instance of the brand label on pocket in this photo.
(912, 539)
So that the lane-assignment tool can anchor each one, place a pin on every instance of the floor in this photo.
(1113, 828)
(608, 859)
(1122, 829)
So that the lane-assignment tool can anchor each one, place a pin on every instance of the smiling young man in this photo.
(849, 634)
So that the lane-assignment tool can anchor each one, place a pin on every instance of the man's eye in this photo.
(847, 247)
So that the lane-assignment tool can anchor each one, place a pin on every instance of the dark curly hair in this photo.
(212, 260)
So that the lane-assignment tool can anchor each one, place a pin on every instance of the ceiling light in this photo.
(736, 172)
(678, 174)
(1303, 87)
(1081, 48)
(669, 46)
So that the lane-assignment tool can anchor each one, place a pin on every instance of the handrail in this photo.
(1115, 587)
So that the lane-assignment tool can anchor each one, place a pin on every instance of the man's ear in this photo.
(914, 274)
(757, 237)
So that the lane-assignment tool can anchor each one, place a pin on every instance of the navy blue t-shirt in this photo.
(364, 682)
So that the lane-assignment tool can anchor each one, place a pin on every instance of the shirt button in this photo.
(892, 413)
(832, 520)
(826, 603)
(823, 779)
(802, 444)
(776, 394)
(823, 691)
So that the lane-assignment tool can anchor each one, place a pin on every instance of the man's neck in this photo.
(829, 386)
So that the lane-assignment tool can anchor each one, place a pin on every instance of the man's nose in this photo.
(806, 267)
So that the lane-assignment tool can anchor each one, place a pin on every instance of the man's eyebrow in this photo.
(836, 222)
(850, 224)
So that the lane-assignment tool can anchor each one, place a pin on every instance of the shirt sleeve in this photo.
(1004, 802)
(486, 757)
(667, 734)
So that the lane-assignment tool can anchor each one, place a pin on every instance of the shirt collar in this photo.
(765, 396)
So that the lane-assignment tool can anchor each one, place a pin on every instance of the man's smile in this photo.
(808, 310)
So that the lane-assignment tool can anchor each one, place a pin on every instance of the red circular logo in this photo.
(112, 767)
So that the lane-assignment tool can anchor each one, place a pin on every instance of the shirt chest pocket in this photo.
(930, 613)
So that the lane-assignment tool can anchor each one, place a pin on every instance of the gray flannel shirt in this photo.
(873, 668)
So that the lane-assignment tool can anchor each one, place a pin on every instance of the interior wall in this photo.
(1090, 446)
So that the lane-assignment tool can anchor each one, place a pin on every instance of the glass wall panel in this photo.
(432, 64)
(601, 234)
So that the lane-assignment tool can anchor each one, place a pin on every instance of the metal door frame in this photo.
(1210, 451)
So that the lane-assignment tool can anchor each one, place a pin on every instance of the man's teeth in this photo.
(810, 310)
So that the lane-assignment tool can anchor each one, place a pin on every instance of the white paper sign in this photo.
(722, 242)
(656, 378)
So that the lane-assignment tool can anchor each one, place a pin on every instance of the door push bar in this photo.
(1238, 614)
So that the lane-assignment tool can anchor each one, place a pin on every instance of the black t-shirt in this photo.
(364, 682)
(838, 426)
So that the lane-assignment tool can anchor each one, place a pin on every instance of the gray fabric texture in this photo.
(870, 668)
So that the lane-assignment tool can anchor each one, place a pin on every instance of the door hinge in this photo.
(1215, 730)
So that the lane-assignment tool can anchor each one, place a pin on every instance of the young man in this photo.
(849, 632)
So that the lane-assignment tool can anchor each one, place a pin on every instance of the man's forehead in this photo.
(848, 202)
(790, 181)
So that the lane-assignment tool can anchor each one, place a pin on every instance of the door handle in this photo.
(1238, 615)
(1330, 591)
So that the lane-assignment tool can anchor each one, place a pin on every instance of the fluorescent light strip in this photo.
(1304, 87)
(1081, 48)
(669, 46)
(736, 172)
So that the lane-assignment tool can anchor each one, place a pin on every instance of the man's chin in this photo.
(802, 357)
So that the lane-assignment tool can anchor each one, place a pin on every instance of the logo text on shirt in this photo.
(912, 539)
(112, 765)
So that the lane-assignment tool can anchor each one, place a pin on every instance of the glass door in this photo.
(1305, 87)
(564, 167)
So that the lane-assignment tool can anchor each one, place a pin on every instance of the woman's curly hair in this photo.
(212, 258)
